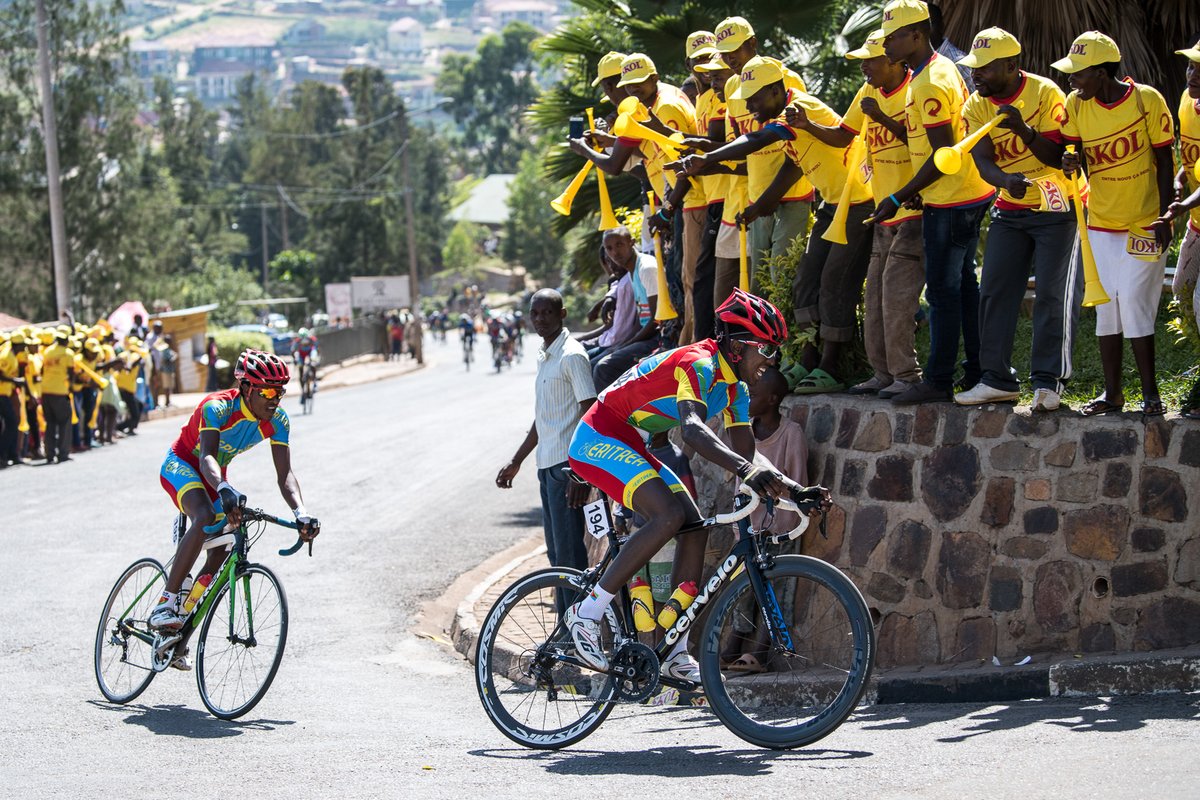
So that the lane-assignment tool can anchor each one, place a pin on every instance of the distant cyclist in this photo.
(304, 348)
(224, 425)
(681, 388)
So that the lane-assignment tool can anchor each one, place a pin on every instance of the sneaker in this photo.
(896, 387)
(870, 386)
(682, 667)
(981, 393)
(1046, 400)
(921, 393)
(182, 662)
(585, 633)
(166, 616)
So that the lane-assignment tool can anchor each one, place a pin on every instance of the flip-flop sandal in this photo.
(746, 663)
(1100, 405)
(819, 382)
(794, 373)
(1153, 407)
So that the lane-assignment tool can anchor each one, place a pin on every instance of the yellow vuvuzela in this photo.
(949, 160)
(1093, 291)
(664, 310)
(836, 232)
(608, 220)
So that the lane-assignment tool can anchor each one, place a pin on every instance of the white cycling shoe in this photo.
(585, 633)
(182, 662)
(165, 616)
(682, 667)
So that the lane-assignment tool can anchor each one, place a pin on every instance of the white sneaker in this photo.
(166, 616)
(1046, 400)
(585, 633)
(181, 662)
(981, 393)
(682, 667)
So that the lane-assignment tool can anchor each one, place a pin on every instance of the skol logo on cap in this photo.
(732, 33)
(756, 75)
(991, 44)
(636, 68)
(701, 44)
(1089, 50)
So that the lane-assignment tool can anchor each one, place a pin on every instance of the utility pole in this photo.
(283, 222)
(58, 233)
(265, 255)
(413, 280)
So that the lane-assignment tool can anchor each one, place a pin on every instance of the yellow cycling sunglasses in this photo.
(270, 392)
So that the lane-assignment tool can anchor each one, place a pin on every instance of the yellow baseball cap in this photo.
(757, 74)
(872, 47)
(990, 44)
(1192, 53)
(635, 68)
(609, 67)
(18, 338)
(716, 64)
(46, 335)
(732, 33)
(900, 13)
(1088, 50)
(701, 43)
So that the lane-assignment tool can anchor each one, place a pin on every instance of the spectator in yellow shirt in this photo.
(11, 379)
(58, 366)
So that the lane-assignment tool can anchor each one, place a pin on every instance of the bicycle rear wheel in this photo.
(808, 689)
(534, 696)
(123, 653)
(241, 643)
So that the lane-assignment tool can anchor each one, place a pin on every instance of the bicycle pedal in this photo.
(167, 641)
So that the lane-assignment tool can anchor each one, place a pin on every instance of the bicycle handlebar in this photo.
(258, 515)
(801, 502)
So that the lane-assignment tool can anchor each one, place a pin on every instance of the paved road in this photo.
(400, 472)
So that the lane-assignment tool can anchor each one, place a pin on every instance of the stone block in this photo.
(1161, 495)
(1043, 519)
(1148, 540)
(1014, 456)
(827, 547)
(885, 588)
(925, 425)
(989, 424)
(1171, 622)
(908, 549)
(950, 480)
(820, 424)
(1025, 548)
(893, 481)
(866, 531)
(1144, 577)
(876, 435)
(853, 473)
(1078, 487)
(1189, 451)
(955, 429)
(1005, 588)
(1104, 443)
(1124, 616)
(828, 471)
(799, 413)
(908, 640)
(1061, 455)
(921, 589)
(1158, 438)
(1187, 568)
(904, 426)
(1037, 489)
(962, 569)
(1056, 596)
(1097, 638)
(1099, 533)
(975, 640)
(847, 427)
(998, 502)
(1030, 425)
(1118, 477)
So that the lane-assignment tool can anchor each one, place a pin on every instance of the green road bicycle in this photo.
(811, 622)
(242, 619)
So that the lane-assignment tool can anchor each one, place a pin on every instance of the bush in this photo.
(230, 345)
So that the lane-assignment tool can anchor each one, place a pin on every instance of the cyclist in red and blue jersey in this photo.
(224, 425)
(304, 348)
(679, 388)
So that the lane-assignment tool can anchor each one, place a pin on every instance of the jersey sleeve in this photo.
(854, 119)
(933, 103)
(693, 380)
(678, 116)
(1158, 117)
(215, 415)
(738, 411)
(975, 112)
(1070, 125)
(282, 425)
(1053, 112)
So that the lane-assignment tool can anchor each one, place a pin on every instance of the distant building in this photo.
(487, 204)
(152, 59)
(538, 14)
(404, 37)
(218, 64)
(305, 32)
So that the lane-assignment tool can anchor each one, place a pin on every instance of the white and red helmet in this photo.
(261, 369)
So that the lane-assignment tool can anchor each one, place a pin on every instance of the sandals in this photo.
(794, 373)
(1153, 407)
(819, 382)
(746, 663)
(1100, 405)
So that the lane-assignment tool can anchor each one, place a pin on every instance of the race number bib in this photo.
(596, 518)
(1142, 245)
(1054, 195)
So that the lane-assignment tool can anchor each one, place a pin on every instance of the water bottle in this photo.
(196, 593)
(643, 605)
(681, 598)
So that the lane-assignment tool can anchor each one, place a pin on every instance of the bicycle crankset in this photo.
(635, 668)
(164, 650)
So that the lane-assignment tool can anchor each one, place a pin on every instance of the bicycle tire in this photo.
(806, 694)
(504, 662)
(122, 661)
(230, 677)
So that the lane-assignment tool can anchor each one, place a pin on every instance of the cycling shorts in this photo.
(610, 454)
(178, 477)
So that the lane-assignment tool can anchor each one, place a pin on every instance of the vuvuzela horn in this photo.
(562, 203)
(949, 160)
(743, 261)
(82, 366)
(628, 126)
(836, 232)
(1093, 290)
(608, 220)
(664, 310)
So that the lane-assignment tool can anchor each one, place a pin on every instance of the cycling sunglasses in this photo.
(270, 392)
(767, 351)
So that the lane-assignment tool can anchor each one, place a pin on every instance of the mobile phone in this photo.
(576, 128)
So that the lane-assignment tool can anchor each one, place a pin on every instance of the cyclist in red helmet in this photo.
(224, 425)
(679, 388)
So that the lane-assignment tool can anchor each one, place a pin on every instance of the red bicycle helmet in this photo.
(261, 369)
(747, 316)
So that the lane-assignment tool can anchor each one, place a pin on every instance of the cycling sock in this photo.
(680, 645)
(594, 605)
(169, 598)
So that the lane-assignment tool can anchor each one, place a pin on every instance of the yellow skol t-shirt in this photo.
(708, 108)
(1044, 111)
(1189, 147)
(825, 166)
(1118, 142)
(57, 360)
(674, 110)
(936, 96)
(127, 378)
(763, 165)
(891, 167)
(9, 368)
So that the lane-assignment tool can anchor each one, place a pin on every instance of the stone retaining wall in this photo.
(986, 531)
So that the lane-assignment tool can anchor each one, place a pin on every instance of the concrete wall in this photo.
(993, 531)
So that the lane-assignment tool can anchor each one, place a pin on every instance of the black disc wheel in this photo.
(124, 651)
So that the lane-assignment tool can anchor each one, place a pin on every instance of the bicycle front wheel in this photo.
(812, 678)
(124, 654)
(528, 688)
(241, 643)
